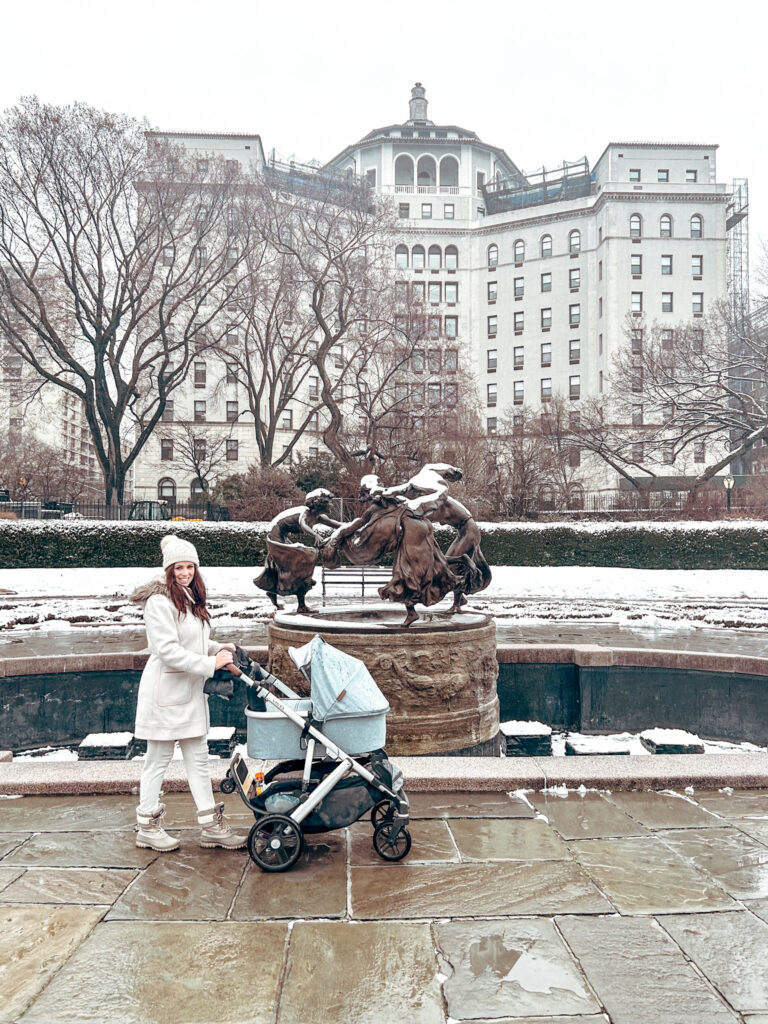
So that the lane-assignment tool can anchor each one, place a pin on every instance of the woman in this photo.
(172, 707)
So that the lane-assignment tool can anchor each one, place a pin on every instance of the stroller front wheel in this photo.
(227, 784)
(389, 847)
(275, 842)
(383, 811)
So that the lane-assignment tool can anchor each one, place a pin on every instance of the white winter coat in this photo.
(171, 703)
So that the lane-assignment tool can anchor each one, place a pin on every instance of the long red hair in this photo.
(179, 597)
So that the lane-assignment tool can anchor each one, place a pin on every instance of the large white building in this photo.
(532, 277)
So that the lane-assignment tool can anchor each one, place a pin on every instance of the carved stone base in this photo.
(439, 676)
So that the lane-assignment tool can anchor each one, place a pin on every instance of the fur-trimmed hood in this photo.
(155, 586)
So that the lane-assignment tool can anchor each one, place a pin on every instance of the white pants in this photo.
(159, 753)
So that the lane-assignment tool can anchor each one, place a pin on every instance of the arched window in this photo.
(417, 257)
(697, 226)
(349, 173)
(196, 490)
(635, 226)
(519, 250)
(401, 257)
(435, 257)
(574, 241)
(404, 171)
(576, 496)
(546, 245)
(451, 257)
(166, 489)
(449, 172)
(427, 172)
(493, 256)
(665, 226)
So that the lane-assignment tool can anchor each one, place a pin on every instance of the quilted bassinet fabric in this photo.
(341, 685)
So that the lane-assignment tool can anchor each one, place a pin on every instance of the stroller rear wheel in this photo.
(391, 847)
(227, 784)
(275, 842)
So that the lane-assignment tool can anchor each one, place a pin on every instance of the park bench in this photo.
(362, 576)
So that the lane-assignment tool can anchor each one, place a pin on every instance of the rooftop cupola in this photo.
(418, 103)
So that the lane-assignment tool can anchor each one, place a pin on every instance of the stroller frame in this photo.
(275, 841)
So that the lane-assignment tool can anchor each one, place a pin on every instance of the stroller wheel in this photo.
(389, 848)
(381, 812)
(227, 784)
(275, 842)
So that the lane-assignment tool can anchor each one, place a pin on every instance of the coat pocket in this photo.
(173, 688)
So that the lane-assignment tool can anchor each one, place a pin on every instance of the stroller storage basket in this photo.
(273, 737)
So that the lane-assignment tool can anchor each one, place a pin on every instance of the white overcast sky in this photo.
(546, 81)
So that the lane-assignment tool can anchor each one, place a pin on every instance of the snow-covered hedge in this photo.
(685, 545)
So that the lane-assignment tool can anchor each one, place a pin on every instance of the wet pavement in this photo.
(631, 908)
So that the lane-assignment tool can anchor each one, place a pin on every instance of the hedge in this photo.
(641, 545)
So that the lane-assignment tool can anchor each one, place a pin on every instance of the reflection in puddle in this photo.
(510, 963)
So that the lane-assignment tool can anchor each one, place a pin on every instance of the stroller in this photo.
(319, 785)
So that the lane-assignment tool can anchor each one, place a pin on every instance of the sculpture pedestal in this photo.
(439, 675)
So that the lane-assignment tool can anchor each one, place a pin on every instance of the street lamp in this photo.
(728, 484)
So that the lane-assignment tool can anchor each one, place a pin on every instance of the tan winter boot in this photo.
(150, 833)
(216, 831)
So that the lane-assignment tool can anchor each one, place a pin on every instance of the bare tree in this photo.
(198, 449)
(33, 470)
(116, 262)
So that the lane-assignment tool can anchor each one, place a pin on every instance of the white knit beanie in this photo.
(176, 549)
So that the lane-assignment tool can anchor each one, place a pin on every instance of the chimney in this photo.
(418, 103)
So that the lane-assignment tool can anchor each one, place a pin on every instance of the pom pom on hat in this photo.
(176, 549)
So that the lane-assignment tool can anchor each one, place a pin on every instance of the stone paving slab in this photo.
(8, 876)
(432, 840)
(757, 830)
(506, 839)
(472, 890)
(736, 861)
(579, 815)
(315, 887)
(664, 810)
(493, 966)
(361, 973)
(11, 841)
(753, 806)
(639, 974)
(80, 850)
(94, 887)
(642, 876)
(758, 907)
(731, 950)
(469, 804)
(34, 943)
(138, 973)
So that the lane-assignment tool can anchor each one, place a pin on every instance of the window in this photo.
(667, 339)
(574, 387)
(634, 174)
(434, 292)
(418, 290)
(232, 450)
(600, 344)
(417, 395)
(434, 394)
(450, 360)
(600, 381)
(433, 360)
(404, 210)
(574, 461)
(401, 291)
(698, 303)
(492, 391)
(546, 318)
(231, 335)
(635, 226)
(517, 392)
(493, 291)
(451, 326)
(691, 177)
(697, 341)
(574, 242)
(546, 353)
(166, 449)
(519, 287)
(288, 453)
(574, 351)
(480, 179)
(546, 245)
(286, 421)
(202, 166)
(166, 489)
(519, 322)
(666, 302)
(201, 256)
(637, 415)
(697, 266)
(451, 293)
(401, 257)
(168, 256)
(232, 411)
(697, 226)
(451, 258)
(435, 257)
(417, 257)
(493, 257)
(699, 451)
(546, 389)
(168, 411)
(426, 211)
(448, 211)
(665, 226)
(574, 279)
(518, 354)
(492, 326)
(546, 282)
(314, 388)
(200, 375)
(637, 302)
(451, 395)
(668, 453)
(666, 265)
(663, 175)
(636, 378)
(433, 328)
(199, 412)
(636, 262)
(600, 271)
(199, 449)
(370, 178)
(417, 360)
(519, 251)
(574, 314)
(491, 360)
(491, 424)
